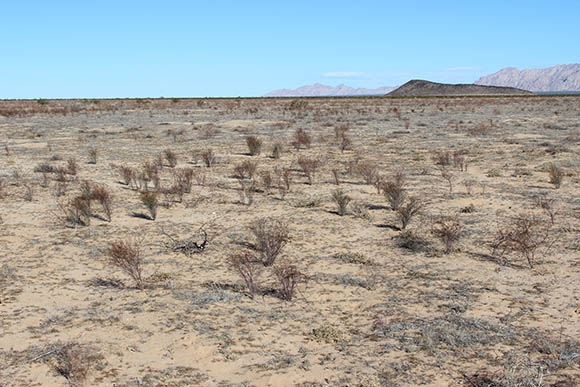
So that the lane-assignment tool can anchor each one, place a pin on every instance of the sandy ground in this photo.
(372, 312)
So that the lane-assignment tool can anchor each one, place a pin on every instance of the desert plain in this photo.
(374, 303)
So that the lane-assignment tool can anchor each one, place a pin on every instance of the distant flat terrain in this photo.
(421, 88)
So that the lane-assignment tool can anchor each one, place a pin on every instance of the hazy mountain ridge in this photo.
(422, 88)
(550, 79)
(320, 90)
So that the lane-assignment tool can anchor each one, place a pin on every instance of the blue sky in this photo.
(91, 49)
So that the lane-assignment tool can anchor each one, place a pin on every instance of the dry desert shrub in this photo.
(248, 267)
(449, 177)
(254, 145)
(128, 174)
(309, 166)
(72, 167)
(149, 199)
(301, 139)
(413, 207)
(245, 170)
(247, 190)
(368, 170)
(74, 361)
(76, 211)
(101, 194)
(449, 230)
(289, 278)
(556, 174)
(442, 159)
(266, 180)
(183, 179)
(525, 236)
(271, 235)
(93, 155)
(342, 200)
(394, 190)
(342, 138)
(208, 157)
(2, 186)
(171, 157)
(277, 150)
(127, 257)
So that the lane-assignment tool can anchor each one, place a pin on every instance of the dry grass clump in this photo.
(449, 230)
(525, 236)
(271, 235)
(127, 257)
(342, 200)
(149, 199)
(556, 174)
(254, 145)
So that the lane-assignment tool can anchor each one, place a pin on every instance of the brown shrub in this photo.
(448, 230)
(208, 157)
(271, 235)
(394, 190)
(368, 170)
(556, 174)
(101, 194)
(525, 236)
(127, 257)
(309, 166)
(289, 277)
(277, 151)
(407, 212)
(245, 170)
(170, 157)
(248, 267)
(77, 211)
(254, 145)
(74, 361)
(93, 155)
(301, 139)
(149, 199)
(342, 200)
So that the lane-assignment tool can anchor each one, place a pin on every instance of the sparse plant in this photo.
(101, 194)
(449, 230)
(301, 139)
(442, 159)
(271, 235)
(556, 174)
(170, 157)
(266, 179)
(342, 200)
(360, 210)
(247, 189)
(289, 277)
(524, 235)
(128, 174)
(342, 138)
(127, 257)
(208, 157)
(309, 167)
(72, 167)
(368, 170)
(245, 170)
(413, 207)
(276, 150)
(254, 145)
(248, 267)
(74, 361)
(394, 190)
(44, 168)
(149, 199)
(93, 155)
(76, 211)
(411, 240)
(449, 177)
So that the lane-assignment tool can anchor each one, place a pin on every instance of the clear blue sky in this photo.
(67, 49)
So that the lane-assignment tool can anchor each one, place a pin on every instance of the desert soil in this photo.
(374, 310)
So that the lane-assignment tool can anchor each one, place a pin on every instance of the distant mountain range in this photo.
(559, 78)
(319, 90)
(421, 88)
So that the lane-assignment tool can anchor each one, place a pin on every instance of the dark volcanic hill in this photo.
(421, 88)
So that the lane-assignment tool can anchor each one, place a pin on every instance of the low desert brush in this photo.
(342, 200)
(127, 257)
(449, 230)
(271, 235)
(248, 267)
